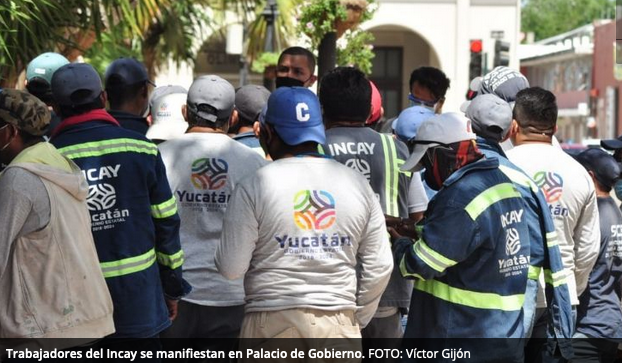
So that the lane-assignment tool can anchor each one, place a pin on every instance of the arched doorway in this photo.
(398, 52)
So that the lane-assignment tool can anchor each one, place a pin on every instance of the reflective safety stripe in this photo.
(551, 239)
(173, 261)
(518, 178)
(489, 197)
(478, 300)
(128, 266)
(432, 258)
(533, 273)
(555, 278)
(164, 210)
(105, 147)
(399, 164)
(390, 183)
(320, 149)
(405, 272)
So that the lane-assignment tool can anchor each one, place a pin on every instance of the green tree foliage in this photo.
(547, 18)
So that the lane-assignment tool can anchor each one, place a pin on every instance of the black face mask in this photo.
(288, 82)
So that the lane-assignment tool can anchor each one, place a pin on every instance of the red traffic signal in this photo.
(476, 46)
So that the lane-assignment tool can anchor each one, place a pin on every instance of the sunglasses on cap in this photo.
(413, 142)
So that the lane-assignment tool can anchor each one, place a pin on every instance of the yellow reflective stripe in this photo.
(474, 299)
(551, 239)
(405, 272)
(398, 165)
(173, 261)
(432, 258)
(489, 197)
(390, 182)
(320, 149)
(555, 279)
(164, 210)
(128, 266)
(105, 147)
(519, 178)
(533, 273)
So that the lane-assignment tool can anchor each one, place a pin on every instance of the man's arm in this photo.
(240, 233)
(169, 254)
(586, 241)
(439, 247)
(20, 213)
(375, 263)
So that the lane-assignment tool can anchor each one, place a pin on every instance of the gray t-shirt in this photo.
(203, 169)
(307, 233)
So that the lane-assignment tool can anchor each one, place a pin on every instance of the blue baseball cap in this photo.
(295, 114)
(605, 168)
(76, 84)
(407, 123)
(126, 72)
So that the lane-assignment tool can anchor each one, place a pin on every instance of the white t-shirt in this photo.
(571, 196)
(307, 233)
(203, 169)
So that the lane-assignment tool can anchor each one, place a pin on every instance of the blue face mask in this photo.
(414, 101)
(618, 189)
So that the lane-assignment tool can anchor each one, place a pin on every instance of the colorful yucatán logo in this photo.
(552, 185)
(209, 173)
(314, 209)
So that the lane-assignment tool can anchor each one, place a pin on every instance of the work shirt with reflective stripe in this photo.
(471, 262)
(378, 157)
(545, 254)
(134, 222)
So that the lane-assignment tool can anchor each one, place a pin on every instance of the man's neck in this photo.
(245, 129)
(204, 130)
(297, 151)
(343, 123)
(131, 108)
(531, 138)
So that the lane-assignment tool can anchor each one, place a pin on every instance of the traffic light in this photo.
(502, 53)
(475, 66)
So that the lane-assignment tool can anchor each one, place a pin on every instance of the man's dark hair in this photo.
(68, 111)
(196, 120)
(40, 89)
(536, 110)
(431, 78)
(119, 93)
(345, 95)
(300, 51)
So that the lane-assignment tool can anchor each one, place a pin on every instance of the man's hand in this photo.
(172, 308)
(398, 227)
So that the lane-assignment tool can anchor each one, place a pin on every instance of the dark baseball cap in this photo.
(612, 144)
(250, 100)
(605, 168)
(125, 72)
(211, 98)
(24, 111)
(490, 116)
(503, 82)
(76, 84)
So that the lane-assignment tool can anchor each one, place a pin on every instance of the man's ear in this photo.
(104, 97)
(438, 109)
(184, 112)
(235, 118)
(256, 128)
(311, 81)
(514, 128)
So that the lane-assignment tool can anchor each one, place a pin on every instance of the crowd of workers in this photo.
(129, 211)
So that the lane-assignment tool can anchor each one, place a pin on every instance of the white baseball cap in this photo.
(168, 121)
(444, 129)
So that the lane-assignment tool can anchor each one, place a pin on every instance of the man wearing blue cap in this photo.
(127, 86)
(133, 212)
(313, 248)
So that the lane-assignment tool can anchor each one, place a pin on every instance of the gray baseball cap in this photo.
(503, 82)
(211, 98)
(250, 100)
(491, 117)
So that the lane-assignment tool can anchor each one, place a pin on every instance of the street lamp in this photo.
(270, 12)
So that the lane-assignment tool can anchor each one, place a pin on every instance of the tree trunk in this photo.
(327, 54)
